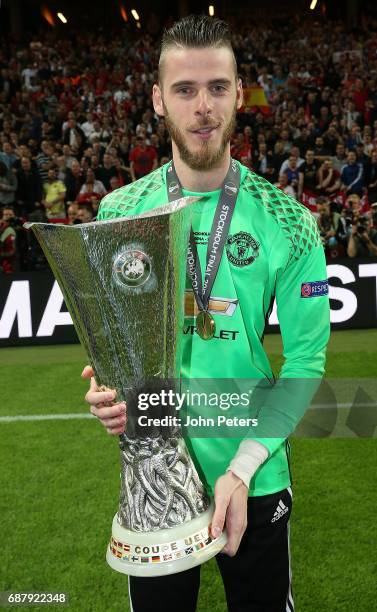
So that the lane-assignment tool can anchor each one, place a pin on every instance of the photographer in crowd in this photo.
(330, 228)
(362, 241)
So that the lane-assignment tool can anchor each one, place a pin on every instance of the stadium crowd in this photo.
(76, 122)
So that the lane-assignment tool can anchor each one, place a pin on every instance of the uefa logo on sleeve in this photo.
(306, 290)
(315, 289)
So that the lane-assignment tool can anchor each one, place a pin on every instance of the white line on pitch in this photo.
(46, 417)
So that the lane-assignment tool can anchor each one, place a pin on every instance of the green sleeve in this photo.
(304, 321)
(305, 328)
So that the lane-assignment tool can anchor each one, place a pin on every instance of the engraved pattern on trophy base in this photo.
(160, 487)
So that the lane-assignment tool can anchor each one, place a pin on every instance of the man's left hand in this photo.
(231, 496)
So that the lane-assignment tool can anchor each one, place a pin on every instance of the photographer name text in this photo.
(198, 421)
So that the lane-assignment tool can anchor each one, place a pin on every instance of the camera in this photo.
(361, 228)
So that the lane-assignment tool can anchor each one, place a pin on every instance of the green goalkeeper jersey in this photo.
(273, 250)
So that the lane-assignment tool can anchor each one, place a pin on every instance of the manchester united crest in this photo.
(242, 249)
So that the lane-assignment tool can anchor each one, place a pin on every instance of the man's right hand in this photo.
(102, 404)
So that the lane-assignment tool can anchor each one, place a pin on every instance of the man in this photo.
(8, 185)
(294, 152)
(320, 151)
(44, 160)
(84, 214)
(340, 157)
(198, 94)
(74, 181)
(371, 177)
(72, 211)
(53, 197)
(329, 226)
(279, 155)
(354, 137)
(240, 148)
(23, 151)
(69, 158)
(88, 125)
(262, 160)
(282, 184)
(114, 183)
(292, 173)
(143, 159)
(106, 171)
(8, 239)
(361, 157)
(328, 179)
(74, 137)
(91, 187)
(61, 168)
(362, 241)
(324, 119)
(331, 138)
(356, 206)
(7, 156)
(29, 189)
(123, 174)
(307, 180)
(285, 137)
(304, 141)
(352, 175)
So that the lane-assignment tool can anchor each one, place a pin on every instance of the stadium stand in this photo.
(76, 125)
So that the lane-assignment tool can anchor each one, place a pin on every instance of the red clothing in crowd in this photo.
(240, 151)
(143, 158)
(360, 96)
(330, 187)
(7, 248)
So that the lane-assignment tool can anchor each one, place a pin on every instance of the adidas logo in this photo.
(279, 512)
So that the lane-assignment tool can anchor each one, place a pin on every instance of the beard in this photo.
(206, 158)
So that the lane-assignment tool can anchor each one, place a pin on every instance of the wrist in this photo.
(249, 457)
(236, 479)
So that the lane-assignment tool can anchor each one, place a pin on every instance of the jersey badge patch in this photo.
(315, 289)
(242, 249)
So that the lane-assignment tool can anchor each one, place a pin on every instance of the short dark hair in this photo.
(197, 32)
(86, 206)
(8, 207)
(322, 200)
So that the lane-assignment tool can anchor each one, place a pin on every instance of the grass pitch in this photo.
(60, 483)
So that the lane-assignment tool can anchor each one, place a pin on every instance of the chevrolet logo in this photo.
(217, 305)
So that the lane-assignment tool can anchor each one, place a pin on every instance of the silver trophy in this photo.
(123, 281)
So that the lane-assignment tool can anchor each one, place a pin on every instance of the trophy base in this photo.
(167, 551)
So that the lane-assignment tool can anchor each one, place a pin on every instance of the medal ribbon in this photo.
(218, 235)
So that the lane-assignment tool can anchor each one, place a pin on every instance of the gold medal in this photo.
(205, 325)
